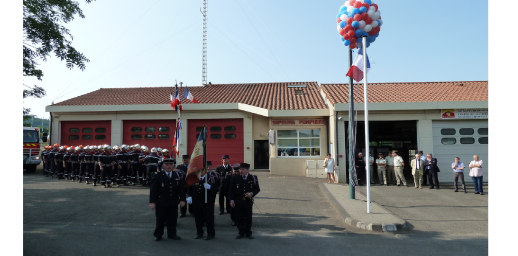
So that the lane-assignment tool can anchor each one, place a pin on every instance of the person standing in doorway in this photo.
(371, 170)
(431, 166)
(382, 169)
(360, 169)
(425, 173)
(399, 164)
(329, 163)
(477, 175)
(417, 170)
(458, 172)
(391, 177)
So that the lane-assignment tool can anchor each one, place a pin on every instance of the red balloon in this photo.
(365, 16)
(358, 17)
(375, 5)
(351, 2)
(366, 5)
(358, 4)
(349, 20)
(352, 46)
(346, 36)
(338, 20)
(353, 40)
(372, 32)
(368, 20)
(342, 32)
(348, 27)
(351, 33)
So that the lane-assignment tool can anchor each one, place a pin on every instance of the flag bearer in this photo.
(242, 190)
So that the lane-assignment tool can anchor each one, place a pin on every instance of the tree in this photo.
(44, 34)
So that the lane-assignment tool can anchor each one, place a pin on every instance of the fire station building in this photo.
(287, 128)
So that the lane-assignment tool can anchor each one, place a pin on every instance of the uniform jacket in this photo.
(432, 163)
(105, 158)
(183, 168)
(413, 163)
(166, 191)
(226, 185)
(197, 190)
(239, 186)
(222, 171)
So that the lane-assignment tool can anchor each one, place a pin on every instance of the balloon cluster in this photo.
(358, 18)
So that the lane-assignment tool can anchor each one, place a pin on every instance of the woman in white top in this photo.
(330, 168)
(476, 173)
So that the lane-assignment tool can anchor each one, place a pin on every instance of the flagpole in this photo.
(205, 157)
(366, 113)
(352, 137)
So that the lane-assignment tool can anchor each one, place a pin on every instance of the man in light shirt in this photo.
(371, 170)
(399, 164)
(382, 169)
(391, 178)
(458, 172)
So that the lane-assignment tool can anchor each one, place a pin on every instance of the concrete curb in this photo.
(376, 227)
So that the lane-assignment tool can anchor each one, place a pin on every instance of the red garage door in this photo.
(74, 133)
(152, 133)
(225, 137)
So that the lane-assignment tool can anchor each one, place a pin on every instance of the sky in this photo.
(154, 43)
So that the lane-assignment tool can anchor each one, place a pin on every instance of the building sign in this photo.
(465, 113)
(299, 122)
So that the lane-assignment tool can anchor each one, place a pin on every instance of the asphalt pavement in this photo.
(292, 216)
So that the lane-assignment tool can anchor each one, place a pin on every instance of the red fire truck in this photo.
(31, 148)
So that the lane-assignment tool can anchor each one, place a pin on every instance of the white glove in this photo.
(189, 200)
(206, 185)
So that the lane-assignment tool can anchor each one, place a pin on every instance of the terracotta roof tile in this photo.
(271, 96)
(410, 92)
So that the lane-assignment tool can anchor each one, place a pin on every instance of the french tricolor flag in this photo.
(187, 94)
(356, 70)
(175, 100)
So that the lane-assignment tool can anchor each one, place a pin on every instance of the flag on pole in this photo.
(196, 164)
(175, 100)
(356, 71)
(187, 94)
(176, 140)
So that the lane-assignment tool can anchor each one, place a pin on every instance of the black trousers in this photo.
(456, 176)
(68, 170)
(106, 174)
(166, 216)
(204, 215)
(183, 210)
(425, 178)
(60, 170)
(243, 220)
(96, 172)
(89, 170)
(82, 171)
(122, 177)
(432, 178)
(75, 170)
(135, 167)
(224, 201)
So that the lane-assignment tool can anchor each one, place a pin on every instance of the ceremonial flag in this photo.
(187, 94)
(197, 160)
(356, 71)
(175, 100)
(176, 140)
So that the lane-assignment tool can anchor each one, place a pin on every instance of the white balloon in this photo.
(370, 13)
(367, 28)
(346, 3)
(374, 24)
(381, 22)
(338, 28)
(376, 15)
(343, 17)
(373, 8)
(360, 1)
(349, 9)
(362, 24)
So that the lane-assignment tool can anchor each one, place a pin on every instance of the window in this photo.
(73, 137)
(448, 131)
(87, 130)
(197, 135)
(448, 141)
(230, 128)
(150, 129)
(215, 136)
(466, 131)
(483, 131)
(215, 129)
(73, 130)
(100, 137)
(303, 142)
(136, 136)
(163, 136)
(150, 136)
(136, 129)
(100, 130)
(163, 129)
(230, 136)
(87, 137)
(467, 140)
(482, 140)
(199, 129)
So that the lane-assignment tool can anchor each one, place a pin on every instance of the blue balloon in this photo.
(377, 34)
(343, 24)
(371, 39)
(347, 42)
(343, 8)
(365, 33)
(358, 33)
(355, 24)
(341, 37)
(368, 1)
(379, 23)
(368, 44)
(338, 15)
(363, 9)
(355, 11)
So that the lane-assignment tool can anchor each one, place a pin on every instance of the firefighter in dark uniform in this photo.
(82, 163)
(226, 188)
(166, 192)
(106, 163)
(45, 160)
(67, 164)
(97, 169)
(143, 167)
(74, 160)
(135, 164)
(204, 211)
(222, 170)
(58, 163)
(242, 190)
(115, 171)
(123, 163)
(52, 157)
(152, 162)
(89, 160)
(186, 159)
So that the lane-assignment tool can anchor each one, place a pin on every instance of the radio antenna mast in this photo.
(203, 11)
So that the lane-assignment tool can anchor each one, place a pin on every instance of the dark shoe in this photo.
(209, 237)
(182, 215)
(239, 236)
(158, 239)
(431, 187)
(465, 191)
(456, 190)
(482, 193)
(250, 237)
(398, 185)
(198, 236)
(477, 193)
(221, 213)
(174, 237)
